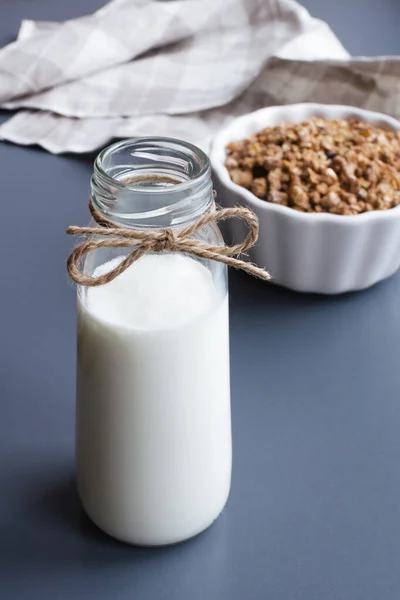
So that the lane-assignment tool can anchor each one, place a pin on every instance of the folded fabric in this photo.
(180, 68)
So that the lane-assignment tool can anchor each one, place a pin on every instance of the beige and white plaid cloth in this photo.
(180, 68)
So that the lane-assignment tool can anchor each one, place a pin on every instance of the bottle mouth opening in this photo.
(152, 164)
(147, 178)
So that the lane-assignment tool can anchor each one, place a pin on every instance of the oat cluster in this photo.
(321, 165)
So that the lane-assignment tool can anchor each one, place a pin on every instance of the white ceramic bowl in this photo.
(311, 252)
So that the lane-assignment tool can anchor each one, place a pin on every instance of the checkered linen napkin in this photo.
(180, 68)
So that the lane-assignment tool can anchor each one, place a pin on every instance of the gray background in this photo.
(314, 512)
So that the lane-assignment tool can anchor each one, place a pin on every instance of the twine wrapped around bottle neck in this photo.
(161, 240)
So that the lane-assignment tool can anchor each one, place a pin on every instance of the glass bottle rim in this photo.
(205, 167)
(141, 180)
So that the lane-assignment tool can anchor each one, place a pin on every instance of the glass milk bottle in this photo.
(153, 395)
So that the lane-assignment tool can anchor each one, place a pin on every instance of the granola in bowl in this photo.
(337, 166)
(304, 156)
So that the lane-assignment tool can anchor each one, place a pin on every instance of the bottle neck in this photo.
(152, 182)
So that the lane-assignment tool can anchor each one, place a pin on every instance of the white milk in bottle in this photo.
(153, 393)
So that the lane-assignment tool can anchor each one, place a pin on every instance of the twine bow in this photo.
(161, 240)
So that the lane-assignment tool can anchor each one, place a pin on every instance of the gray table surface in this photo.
(314, 511)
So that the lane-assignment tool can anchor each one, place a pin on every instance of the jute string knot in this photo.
(166, 243)
(112, 235)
